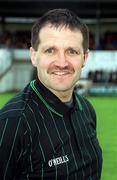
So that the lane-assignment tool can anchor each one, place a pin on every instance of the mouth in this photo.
(60, 73)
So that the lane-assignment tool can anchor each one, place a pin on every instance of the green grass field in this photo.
(106, 109)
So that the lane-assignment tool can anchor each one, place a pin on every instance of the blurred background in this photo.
(99, 76)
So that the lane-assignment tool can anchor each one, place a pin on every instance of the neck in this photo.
(64, 96)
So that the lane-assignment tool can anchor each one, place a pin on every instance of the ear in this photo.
(86, 54)
(33, 57)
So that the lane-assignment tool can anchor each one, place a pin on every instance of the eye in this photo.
(49, 51)
(72, 51)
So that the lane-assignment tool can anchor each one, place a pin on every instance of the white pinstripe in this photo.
(12, 149)
(3, 131)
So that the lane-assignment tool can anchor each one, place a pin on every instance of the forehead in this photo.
(50, 34)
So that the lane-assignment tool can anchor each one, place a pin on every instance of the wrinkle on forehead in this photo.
(50, 36)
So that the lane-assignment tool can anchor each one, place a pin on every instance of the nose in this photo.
(61, 60)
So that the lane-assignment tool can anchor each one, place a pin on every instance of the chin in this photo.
(62, 89)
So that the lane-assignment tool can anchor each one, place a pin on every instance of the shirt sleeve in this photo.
(14, 147)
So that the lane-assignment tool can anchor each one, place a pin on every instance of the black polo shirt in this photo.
(43, 138)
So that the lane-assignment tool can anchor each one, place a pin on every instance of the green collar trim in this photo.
(43, 100)
(78, 103)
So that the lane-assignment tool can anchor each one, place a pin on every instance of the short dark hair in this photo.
(60, 17)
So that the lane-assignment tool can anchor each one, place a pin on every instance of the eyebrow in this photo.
(48, 46)
(75, 48)
(55, 47)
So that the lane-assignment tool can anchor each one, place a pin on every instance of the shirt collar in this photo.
(53, 102)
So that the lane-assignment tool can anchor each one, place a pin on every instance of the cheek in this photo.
(77, 64)
(42, 64)
(46, 62)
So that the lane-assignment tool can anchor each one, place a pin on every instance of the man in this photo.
(47, 131)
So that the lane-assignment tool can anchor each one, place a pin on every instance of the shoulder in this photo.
(16, 117)
(87, 108)
(86, 104)
(16, 105)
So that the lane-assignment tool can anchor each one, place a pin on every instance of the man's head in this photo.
(60, 18)
(59, 50)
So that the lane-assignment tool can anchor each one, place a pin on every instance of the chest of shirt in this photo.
(59, 140)
(61, 144)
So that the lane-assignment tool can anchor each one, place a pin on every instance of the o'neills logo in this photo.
(58, 160)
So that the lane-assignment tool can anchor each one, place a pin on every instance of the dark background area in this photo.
(17, 17)
(34, 8)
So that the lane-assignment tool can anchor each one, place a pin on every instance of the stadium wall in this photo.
(20, 71)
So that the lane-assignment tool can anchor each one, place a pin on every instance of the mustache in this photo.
(64, 69)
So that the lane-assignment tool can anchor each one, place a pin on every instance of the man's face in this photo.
(59, 58)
